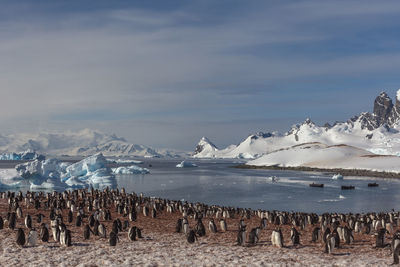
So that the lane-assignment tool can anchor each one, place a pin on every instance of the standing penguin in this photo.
(395, 246)
(153, 213)
(329, 243)
(241, 236)
(212, 227)
(19, 212)
(132, 215)
(253, 236)
(86, 232)
(191, 237)
(70, 216)
(78, 221)
(223, 225)
(132, 233)
(40, 217)
(178, 227)
(380, 238)
(277, 238)
(102, 231)
(295, 236)
(32, 237)
(44, 233)
(12, 221)
(347, 235)
(315, 234)
(113, 239)
(200, 229)
(1, 223)
(28, 221)
(20, 237)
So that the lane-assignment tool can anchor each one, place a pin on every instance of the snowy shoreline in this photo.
(345, 172)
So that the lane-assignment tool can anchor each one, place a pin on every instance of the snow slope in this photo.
(318, 155)
(81, 143)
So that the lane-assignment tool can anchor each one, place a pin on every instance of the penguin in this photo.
(44, 233)
(295, 236)
(329, 243)
(253, 236)
(86, 232)
(241, 236)
(212, 227)
(115, 227)
(132, 216)
(145, 211)
(178, 227)
(19, 212)
(102, 231)
(68, 240)
(337, 239)
(28, 221)
(191, 237)
(153, 213)
(91, 220)
(32, 238)
(1, 223)
(223, 225)
(347, 235)
(277, 238)
(78, 221)
(70, 216)
(380, 238)
(315, 234)
(96, 227)
(200, 229)
(139, 232)
(325, 234)
(12, 221)
(263, 223)
(20, 237)
(132, 233)
(39, 218)
(186, 227)
(113, 239)
(125, 225)
(395, 246)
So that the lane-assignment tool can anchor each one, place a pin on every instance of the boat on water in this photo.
(348, 187)
(316, 185)
(337, 176)
(373, 185)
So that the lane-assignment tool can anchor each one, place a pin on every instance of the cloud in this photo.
(101, 66)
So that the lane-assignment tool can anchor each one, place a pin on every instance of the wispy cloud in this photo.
(187, 64)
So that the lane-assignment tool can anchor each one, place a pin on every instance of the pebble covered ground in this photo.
(162, 247)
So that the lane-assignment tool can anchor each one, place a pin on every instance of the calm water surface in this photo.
(215, 182)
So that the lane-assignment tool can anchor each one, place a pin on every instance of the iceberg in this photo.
(26, 155)
(133, 169)
(57, 175)
(337, 176)
(186, 164)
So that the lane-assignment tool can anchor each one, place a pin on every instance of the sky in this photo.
(166, 73)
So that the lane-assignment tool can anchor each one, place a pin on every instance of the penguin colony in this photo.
(111, 215)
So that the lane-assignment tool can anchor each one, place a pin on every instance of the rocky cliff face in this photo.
(384, 113)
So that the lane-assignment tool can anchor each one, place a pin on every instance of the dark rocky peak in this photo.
(261, 135)
(383, 106)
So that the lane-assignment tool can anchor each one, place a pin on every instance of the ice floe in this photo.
(186, 164)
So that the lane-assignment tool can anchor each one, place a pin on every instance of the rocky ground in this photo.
(161, 246)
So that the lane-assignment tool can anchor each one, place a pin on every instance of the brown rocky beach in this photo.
(161, 246)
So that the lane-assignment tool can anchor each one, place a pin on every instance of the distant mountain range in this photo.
(376, 132)
(80, 143)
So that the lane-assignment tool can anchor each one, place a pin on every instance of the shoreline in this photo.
(344, 172)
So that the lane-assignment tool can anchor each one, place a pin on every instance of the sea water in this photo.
(217, 182)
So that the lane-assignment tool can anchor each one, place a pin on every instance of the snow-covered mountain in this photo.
(80, 143)
(322, 156)
(377, 132)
